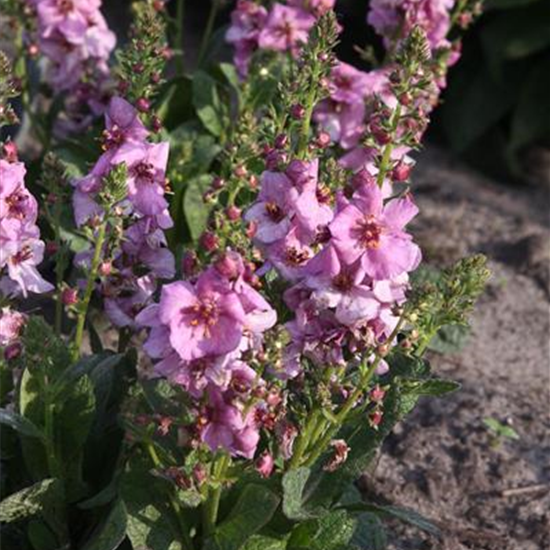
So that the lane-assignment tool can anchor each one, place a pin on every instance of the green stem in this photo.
(179, 35)
(59, 267)
(303, 440)
(386, 155)
(187, 543)
(212, 505)
(83, 307)
(323, 443)
(310, 105)
(208, 31)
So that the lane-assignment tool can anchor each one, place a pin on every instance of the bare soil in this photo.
(442, 461)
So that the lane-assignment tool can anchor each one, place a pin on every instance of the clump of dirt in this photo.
(442, 461)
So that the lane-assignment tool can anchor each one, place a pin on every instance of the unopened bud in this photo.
(143, 105)
(297, 112)
(233, 213)
(69, 296)
(209, 241)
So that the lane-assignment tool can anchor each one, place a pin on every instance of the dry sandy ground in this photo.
(440, 461)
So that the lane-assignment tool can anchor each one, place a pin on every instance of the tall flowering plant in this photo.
(240, 314)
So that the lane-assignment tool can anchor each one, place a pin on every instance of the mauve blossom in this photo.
(247, 19)
(204, 318)
(11, 324)
(342, 121)
(286, 28)
(369, 231)
(226, 427)
(21, 249)
(317, 7)
(273, 207)
(146, 165)
(122, 124)
(394, 19)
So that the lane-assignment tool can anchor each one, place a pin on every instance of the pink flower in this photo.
(265, 464)
(122, 124)
(247, 19)
(146, 175)
(273, 207)
(350, 85)
(286, 28)
(11, 324)
(204, 319)
(369, 231)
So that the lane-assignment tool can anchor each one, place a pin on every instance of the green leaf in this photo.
(369, 533)
(435, 387)
(253, 510)
(174, 103)
(20, 424)
(261, 542)
(195, 210)
(41, 536)
(149, 523)
(331, 532)
(207, 103)
(112, 531)
(403, 514)
(230, 73)
(294, 482)
(28, 502)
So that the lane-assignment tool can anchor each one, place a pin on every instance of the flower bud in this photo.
(199, 474)
(227, 267)
(9, 151)
(297, 112)
(253, 181)
(323, 139)
(51, 248)
(189, 263)
(156, 124)
(233, 213)
(69, 296)
(251, 229)
(265, 465)
(105, 268)
(281, 141)
(377, 394)
(143, 105)
(240, 171)
(33, 50)
(209, 241)
(375, 417)
(217, 183)
(12, 351)
(401, 172)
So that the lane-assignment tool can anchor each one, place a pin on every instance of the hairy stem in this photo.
(83, 306)
(208, 31)
(212, 505)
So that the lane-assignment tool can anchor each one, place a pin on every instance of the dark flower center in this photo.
(368, 232)
(112, 138)
(65, 6)
(343, 282)
(145, 171)
(274, 212)
(24, 254)
(295, 257)
(16, 204)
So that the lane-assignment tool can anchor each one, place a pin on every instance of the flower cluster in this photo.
(348, 261)
(21, 249)
(282, 29)
(206, 331)
(141, 256)
(394, 20)
(74, 37)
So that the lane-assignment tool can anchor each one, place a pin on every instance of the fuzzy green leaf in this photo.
(207, 103)
(195, 210)
(20, 424)
(111, 532)
(294, 483)
(30, 501)
(253, 510)
(331, 532)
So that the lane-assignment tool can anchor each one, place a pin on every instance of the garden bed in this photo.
(440, 460)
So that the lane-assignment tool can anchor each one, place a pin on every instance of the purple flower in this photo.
(286, 28)
(204, 319)
(369, 231)
(273, 207)
(146, 175)
(11, 323)
(226, 427)
(342, 287)
(122, 124)
(247, 19)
